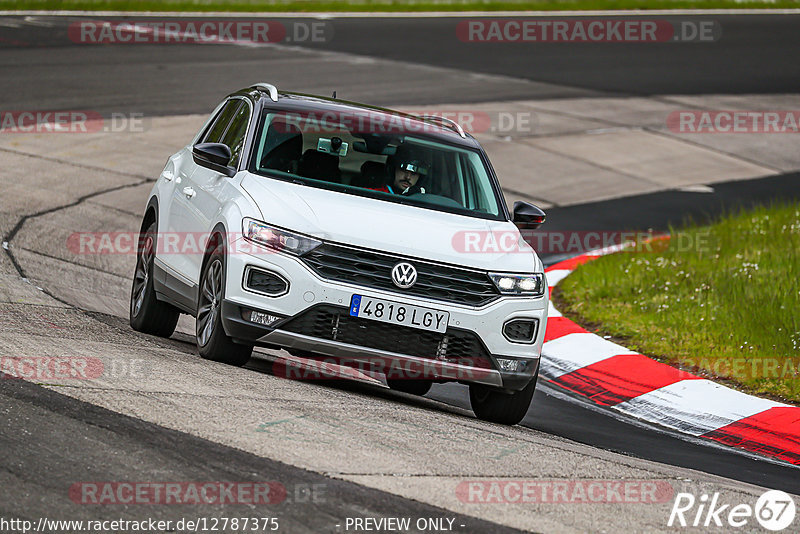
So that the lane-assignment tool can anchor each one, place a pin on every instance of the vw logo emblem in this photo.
(404, 275)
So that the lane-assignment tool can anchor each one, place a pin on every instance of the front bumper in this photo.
(307, 291)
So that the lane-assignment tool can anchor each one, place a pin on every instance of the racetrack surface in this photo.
(381, 453)
(51, 442)
(755, 54)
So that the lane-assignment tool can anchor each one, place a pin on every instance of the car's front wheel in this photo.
(212, 341)
(147, 313)
(496, 406)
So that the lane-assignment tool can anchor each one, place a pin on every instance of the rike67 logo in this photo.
(774, 510)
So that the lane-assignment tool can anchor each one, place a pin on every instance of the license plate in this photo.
(401, 314)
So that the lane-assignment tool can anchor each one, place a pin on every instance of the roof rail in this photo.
(271, 89)
(453, 125)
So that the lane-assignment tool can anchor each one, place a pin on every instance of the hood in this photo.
(389, 227)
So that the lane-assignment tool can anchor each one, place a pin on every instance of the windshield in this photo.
(388, 163)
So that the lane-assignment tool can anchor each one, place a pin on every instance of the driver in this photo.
(406, 175)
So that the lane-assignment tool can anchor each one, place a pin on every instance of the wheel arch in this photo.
(150, 214)
(217, 236)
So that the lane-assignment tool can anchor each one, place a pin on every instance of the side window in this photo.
(217, 130)
(479, 192)
(469, 182)
(236, 133)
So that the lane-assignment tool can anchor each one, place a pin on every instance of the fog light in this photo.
(521, 330)
(511, 366)
(265, 282)
(263, 318)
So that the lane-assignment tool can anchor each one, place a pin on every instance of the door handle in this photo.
(189, 192)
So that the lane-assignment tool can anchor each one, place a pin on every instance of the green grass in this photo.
(386, 5)
(726, 307)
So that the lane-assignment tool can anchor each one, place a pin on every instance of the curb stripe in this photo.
(575, 351)
(554, 276)
(570, 264)
(607, 382)
(610, 375)
(552, 313)
(561, 326)
(774, 432)
(695, 406)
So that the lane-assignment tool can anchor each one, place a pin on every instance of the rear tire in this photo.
(147, 313)
(496, 406)
(414, 387)
(212, 341)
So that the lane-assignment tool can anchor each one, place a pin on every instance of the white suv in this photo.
(332, 230)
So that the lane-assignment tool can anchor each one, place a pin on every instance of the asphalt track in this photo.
(49, 441)
(41, 66)
(753, 57)
(42, 71)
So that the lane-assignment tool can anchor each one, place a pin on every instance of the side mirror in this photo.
(528, 216)
(214, 156)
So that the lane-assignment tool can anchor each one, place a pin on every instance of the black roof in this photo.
(318, 105)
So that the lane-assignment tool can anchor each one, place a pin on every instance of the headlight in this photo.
(519, 284)
(277, 238)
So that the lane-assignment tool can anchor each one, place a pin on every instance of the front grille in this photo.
(334, 323)
(374, 270)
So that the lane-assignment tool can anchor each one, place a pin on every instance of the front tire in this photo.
(147, 313)
(212, 341)
(496, 406)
